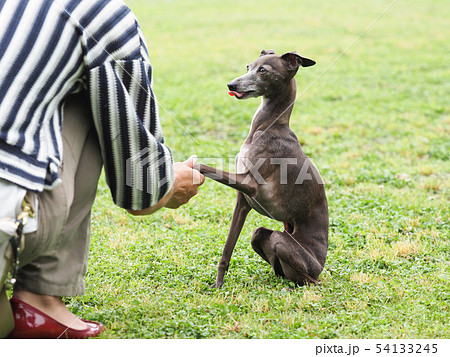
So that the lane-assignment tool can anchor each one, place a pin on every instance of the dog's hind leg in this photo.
(287, 257)
(261, 244)
(298, 264)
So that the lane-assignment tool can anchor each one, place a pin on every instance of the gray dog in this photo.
(274, 177)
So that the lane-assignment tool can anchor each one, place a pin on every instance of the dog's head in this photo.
(267, 74)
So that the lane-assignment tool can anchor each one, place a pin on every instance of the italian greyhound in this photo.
(274, 176)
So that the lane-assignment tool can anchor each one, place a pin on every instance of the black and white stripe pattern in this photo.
(52, 48)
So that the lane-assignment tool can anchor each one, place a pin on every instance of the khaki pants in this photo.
(55, 257)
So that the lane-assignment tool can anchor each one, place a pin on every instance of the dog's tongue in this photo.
(237, 94)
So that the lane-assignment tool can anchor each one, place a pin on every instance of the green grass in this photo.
(377, 126)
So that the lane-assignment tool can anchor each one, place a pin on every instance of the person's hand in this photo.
(186, 182)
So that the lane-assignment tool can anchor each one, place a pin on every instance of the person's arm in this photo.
(139, 167)
(147, 211)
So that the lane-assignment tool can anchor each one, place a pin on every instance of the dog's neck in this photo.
(275, 109)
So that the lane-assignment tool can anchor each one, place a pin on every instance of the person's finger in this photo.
(197, 178)
(191, 161)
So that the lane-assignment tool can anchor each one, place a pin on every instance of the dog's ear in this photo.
(306, 62)
(265, 52)
(294, 60)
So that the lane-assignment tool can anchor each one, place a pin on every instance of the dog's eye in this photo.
(262, 70)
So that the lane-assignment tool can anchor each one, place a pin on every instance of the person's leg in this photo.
(55, 257)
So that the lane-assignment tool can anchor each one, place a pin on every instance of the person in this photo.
(76, 95)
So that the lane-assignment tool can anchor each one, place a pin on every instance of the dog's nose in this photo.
(232, 86)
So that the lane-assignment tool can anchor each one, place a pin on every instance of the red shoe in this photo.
(32, 323)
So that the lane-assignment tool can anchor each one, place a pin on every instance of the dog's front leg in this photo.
(240, 213)
(245, 182)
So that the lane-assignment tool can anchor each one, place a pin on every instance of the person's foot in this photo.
(30, 322)
(53, 307)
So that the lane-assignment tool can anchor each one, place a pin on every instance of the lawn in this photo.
(373, 114)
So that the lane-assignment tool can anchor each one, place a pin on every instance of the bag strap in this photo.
(17, 241)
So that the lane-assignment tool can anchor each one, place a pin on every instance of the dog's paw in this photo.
(217, 285)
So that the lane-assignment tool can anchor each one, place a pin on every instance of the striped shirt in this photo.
(50, 49)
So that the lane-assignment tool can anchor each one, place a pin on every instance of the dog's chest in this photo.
(242, 159)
